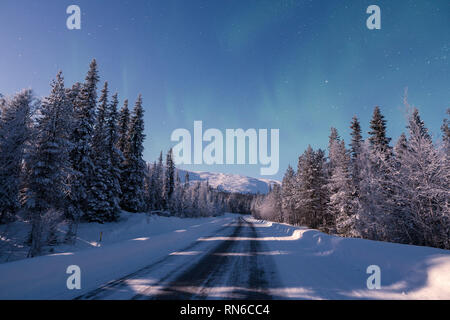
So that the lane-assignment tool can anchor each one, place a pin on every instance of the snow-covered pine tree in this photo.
(106, 192)
(304, 193)
(341, 204)
(159, 183)
(14, 132)
(99, 133)
(424, 182)
(195, 200)
(147, 187)
(381, 167)
(152, 189)
(378, 139)
(177, 196)
(276, 202)
(80, 155)
(73, 92)
(355, 145)
(185, 196)
(401, 146)
(98, 203)
(203, 205)
(72, 211)
(186, 179)
(327, 223)
(370, 206)
(310, 186)
(332, 139)
(355, 149)
(271, 207)
(115, 158)
(123, 126)
(446, 132)
(169, 180)
(134, 165)
(48, 162)
(287, 195)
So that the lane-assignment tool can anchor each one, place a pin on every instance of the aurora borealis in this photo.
(300, 66)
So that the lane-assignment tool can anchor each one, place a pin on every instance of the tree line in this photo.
(370, 190)
(74, 156)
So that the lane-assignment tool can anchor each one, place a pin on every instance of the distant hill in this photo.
(230, 182)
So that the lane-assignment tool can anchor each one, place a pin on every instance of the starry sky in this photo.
(294, 65)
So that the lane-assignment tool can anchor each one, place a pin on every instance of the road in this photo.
(229, 264)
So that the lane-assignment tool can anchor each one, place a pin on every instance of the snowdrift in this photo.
(314, 265)
(126, 247)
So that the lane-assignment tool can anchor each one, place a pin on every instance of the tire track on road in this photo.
(115, 285)
(209, 265)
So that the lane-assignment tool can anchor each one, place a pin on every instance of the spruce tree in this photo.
(324, 219)
(381, 171)
(179, 191)
(72, 93)
(134, 165)
(355, 145)
(81, 152)
(159, 183)
(72, 211)
(99, 206)
(332, 139)
(99, 134)
(114, 161)
(152, 189)
(14, 133)
(418, 125)
(186, 179)
(287, 195)
(401, 146)
(123, 126)
(147, 187)
(309, 192)
(341, 204)
(355, 149)
(446, 128)
(423, 179)
(48, 163)
(169, 181)
(378, 139)
(106, 191)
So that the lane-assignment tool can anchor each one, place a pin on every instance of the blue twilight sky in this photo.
(300, 66)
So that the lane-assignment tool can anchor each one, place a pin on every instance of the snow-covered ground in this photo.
(291, 263)
(126, 247)
(130, 226)
(314, 265)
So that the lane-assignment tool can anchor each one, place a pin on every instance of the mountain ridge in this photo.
(230, 182)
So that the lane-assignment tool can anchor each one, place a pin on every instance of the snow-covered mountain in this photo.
(230, 182)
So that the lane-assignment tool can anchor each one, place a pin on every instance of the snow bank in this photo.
(320, 266)
(126, 247)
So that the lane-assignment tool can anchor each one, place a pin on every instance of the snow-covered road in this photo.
(231, 264)
(233, 257)
(251, 259)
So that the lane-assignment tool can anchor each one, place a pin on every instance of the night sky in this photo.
(300, 66)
